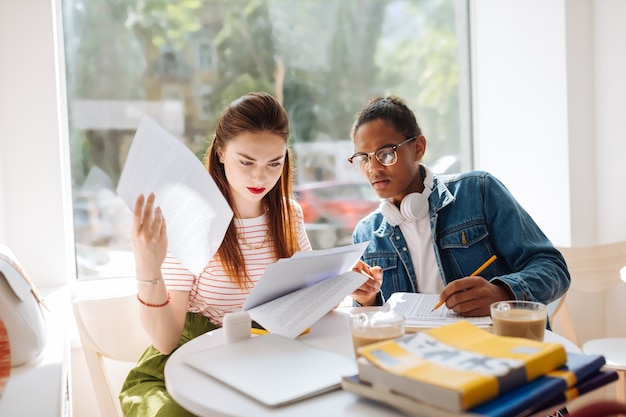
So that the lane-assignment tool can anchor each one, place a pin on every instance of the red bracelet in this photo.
(154, 305)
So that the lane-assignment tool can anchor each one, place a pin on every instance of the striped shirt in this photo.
(212, 293)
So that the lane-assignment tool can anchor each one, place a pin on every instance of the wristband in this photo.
(149, 282)
(155, 305)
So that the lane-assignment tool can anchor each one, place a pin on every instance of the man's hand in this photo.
(366, 293)
(472, 296)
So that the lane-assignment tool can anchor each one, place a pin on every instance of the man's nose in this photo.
(374, 164)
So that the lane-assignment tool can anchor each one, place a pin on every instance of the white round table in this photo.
(614, 351)
(206, 397)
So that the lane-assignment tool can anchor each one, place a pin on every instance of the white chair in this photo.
(554, 307)
(109, 327)
(593, 313)
(614, 349)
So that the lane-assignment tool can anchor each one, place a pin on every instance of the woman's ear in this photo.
(220, 155)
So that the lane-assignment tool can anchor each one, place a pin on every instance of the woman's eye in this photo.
(246, 163)
(275, 164)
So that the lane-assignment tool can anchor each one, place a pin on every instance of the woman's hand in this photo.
(148, 237)
(366, 293)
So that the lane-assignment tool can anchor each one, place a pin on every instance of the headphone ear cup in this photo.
(391, 213)
(415, 205)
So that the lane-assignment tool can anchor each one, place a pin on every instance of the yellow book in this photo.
(457, 366)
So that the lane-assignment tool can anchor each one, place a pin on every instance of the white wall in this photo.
(2, 216)
(548, 90)
(579, 32)
(36, 214)
(519, 99)
(610, 110)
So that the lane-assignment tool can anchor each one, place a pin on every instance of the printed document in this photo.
(417, 309)
(195, 210)
(295, 292)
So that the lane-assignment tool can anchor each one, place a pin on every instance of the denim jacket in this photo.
(472, 217)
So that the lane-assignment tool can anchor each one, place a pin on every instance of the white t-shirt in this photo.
(417, 234)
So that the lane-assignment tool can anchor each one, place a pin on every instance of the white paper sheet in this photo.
(303, 269)
(195, 210)
(416, 308)
(293, 313)
(295, 292)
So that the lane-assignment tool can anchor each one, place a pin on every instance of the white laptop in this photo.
(273, 369)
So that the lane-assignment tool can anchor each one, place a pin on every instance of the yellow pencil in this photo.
(478, 271)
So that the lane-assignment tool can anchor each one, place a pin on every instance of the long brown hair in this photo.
(252, 113)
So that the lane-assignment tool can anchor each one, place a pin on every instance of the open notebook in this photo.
(417, 308)
(273, 369)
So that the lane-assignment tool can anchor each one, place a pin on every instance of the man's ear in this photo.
(420, 147)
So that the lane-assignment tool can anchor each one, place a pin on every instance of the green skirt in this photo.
(143, 393)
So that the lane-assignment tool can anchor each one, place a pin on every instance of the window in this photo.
(204, 106)
(181, 62)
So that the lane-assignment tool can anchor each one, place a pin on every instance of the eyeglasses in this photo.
(387, 156)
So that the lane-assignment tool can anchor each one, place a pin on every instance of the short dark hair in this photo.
(391, 109)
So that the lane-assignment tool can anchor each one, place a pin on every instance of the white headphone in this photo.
(413, 206)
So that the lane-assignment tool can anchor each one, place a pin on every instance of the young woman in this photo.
(250, 162)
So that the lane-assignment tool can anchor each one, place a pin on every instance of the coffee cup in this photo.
(519, 319)
(374, 326)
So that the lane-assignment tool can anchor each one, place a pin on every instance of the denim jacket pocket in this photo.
(386, 260)
(464, 250)
(463, 237)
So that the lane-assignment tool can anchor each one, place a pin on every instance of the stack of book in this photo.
(462, 370)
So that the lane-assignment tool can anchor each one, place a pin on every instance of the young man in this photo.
(430, 233)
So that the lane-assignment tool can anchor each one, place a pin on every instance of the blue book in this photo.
(536, 394)
(578, 376)
(596, 380)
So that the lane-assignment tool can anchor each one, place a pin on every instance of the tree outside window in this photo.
(182, 61)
